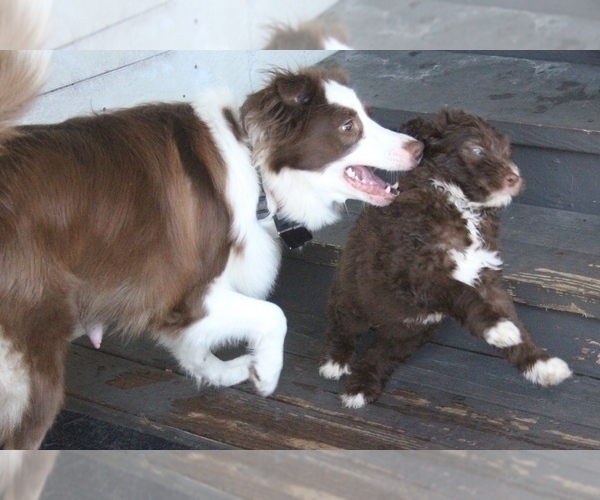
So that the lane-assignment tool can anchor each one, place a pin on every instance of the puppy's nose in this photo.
(415, 148)
(512, 180)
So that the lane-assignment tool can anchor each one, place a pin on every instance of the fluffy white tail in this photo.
(22, 75)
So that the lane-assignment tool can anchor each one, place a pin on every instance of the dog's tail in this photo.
(22, 75)
(24, 23)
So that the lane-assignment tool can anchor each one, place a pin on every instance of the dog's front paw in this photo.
(548, 372)
(354, 400)
(504, 334)
(361, 388)
(332, 370)
(265, 378)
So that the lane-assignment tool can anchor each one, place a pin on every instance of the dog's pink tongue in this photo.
(366, 176)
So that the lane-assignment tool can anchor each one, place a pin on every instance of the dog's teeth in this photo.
(396, 186)
(388, 189)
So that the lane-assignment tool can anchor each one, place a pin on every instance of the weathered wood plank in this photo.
(235, 417)
(323, 474)
(557, 100)
(552, 257)
(431, 402)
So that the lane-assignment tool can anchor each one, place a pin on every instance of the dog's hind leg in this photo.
(45, 401)
(394, 344)
(47, 332)
(232, 318)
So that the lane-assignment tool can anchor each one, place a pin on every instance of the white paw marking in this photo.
(332, 370)
(504, 334)
(265, 378)
(356, 401)
(548, 372)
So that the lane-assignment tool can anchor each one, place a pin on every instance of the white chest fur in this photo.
(472, 260)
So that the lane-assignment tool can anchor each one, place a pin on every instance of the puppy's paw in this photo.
(354, 401)
(333, 370)
(548, 372)
(504, 334)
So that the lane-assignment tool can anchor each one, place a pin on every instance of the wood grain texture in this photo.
(455, 393)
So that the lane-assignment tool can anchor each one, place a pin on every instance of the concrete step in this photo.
(469, 24)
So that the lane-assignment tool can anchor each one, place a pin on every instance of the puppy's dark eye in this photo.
(348, 126)
(477, 150)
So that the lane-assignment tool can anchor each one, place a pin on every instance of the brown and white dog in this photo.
(145, 218)
(308, 36)
(433, 252)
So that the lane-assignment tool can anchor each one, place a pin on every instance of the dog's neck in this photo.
(457, 197)
(291, 199)
(293, 234)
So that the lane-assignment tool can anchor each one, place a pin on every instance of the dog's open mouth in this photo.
(364, 179)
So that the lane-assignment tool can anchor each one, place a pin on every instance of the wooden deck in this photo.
(305, 475)
(455, 393)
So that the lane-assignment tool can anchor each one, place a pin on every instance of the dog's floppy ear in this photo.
(447, 117)
(296, 90)
(422, 129)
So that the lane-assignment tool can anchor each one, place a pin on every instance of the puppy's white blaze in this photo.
(504, 334)
(548, 372)
(332, 370)
(472, 260)
(356, 401)
(14, 386)
(379, 147)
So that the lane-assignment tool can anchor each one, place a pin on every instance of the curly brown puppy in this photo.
(433, 252)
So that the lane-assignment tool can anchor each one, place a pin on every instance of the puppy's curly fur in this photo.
(433, 252)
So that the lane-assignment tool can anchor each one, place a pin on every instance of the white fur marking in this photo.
(429, 319)
(356, 401)
(332, 370)
(504, 334)
(379, 147)
(14, 386)
(252, 271)
(233, 318)
(471, 261)
(548, 372)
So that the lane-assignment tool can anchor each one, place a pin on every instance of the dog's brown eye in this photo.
(348, 126)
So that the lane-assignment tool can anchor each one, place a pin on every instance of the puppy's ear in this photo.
(296, 90)
(424, 130)
(446, 117)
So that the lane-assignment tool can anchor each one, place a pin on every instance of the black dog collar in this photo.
(294, 235)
